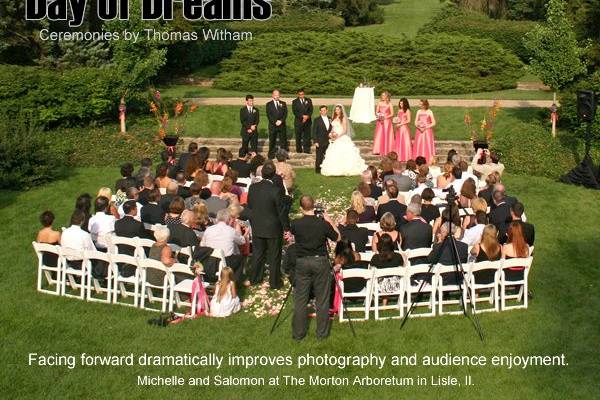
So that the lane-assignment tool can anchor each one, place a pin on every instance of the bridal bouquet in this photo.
(170, 117)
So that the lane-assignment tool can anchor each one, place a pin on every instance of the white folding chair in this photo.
(115, 241)
(187, 252)
(387, 289)
(521, 295)
(415, 275)
(142, 245)
(222, 264)
(118, 263)
(421, 252)
(365, 294)
(457, 285)
(246, 181)
(147, 264)
(47, 270)
(478, 287)
(93, 283)
(71, 274)
(531, 248)
(371, 226)
(183, 286)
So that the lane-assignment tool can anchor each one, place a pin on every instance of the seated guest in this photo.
(416, 233)
(485, 163)
(145, 168)
(358, 236)
(175, 209)
(421, 184)
(387, 223)
(473, 234)
(256, 161)
(424, 171)
(365, 213)
(201, 179)
(201, 219)
(392, 205)
(515, 247)
(126, 180)
(195, 190)
(132, 194)
(106, 192)
(455, 218)
(500, 214)
(468, 192)
(442, 251)
(411, 171)
(477, 204)
(365, 190)
(225, 301)
(386, 168)
(220, 165)
(464, 167)
(129, 226)
(386, 256)
(215, 202)
(76, 238)
(162, 176)
(236, 187)
(160, 251)
(403, 182)
(458, 180)
(101, 224)
(49, 236)
(284, 169)
(446, 177)
(182, 190)
(229, 191)
(182, 163)
(429, 212)
(84, 203)
(152, 213)
(453, 157)
(165, 199)
(368, 179)
(491, 181)
(487, 247)
(182, 234)
(145, 189)
(346, 258)
(510, 200)
(241, 164)
(516, 212)
(194, 167)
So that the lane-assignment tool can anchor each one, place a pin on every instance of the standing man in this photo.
(277, 114)
(313, 270)
(302, 108)
(268, 221)
(321, 131)
(249, 118)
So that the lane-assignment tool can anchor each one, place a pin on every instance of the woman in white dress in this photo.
(225, 301)
(342, 157)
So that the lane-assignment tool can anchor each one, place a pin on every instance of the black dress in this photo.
(485, 276)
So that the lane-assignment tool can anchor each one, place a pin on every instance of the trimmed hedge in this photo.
(292, 21)
(71, 97)
(335, 63)
(508, 33)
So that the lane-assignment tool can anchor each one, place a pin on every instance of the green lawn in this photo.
(223, 121)
(562, 318)
(404, 17)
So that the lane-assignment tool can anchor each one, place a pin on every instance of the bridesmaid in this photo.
(402, 142)
(424, 141)
(384, 130)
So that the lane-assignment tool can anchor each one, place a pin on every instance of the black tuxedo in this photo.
(302, 129)
(268, 221)
(358, 236)
(182, 235)
(320, 134)
(130, 227)
(165, 202)
(416, 234)
(274, 114)
(397, 209)
(500, 216)
(182, 162)
(184, 192)
(152, 214)
(247, 119)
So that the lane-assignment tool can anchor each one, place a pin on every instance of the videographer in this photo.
(313, 269)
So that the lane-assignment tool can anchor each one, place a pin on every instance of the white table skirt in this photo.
(363, 105)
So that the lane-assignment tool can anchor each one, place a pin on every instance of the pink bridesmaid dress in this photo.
(424, 142)
(384, 131)
(402, 143)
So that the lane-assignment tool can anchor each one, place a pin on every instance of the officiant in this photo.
(302, 108)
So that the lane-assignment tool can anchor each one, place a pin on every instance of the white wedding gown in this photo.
(342, 157)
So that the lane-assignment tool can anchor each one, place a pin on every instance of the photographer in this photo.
(486, 162)
(313, 269)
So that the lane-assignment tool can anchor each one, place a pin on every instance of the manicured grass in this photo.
(562, 318)
(404, 17)
(223, 121)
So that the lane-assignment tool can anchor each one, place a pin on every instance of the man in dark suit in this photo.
(500, 212)
(416, 233)
(516, 212)
(356, 235)
(268, 221)
(249, 118)
(165, 200)
(184, 158)
(302, 108)
(182, 190)
(321, 130)
(277, 114)
(241, 165)
(152, 213)
(393, 206)
(130, 227)
(182, 234)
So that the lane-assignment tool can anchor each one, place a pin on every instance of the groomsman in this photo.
(303, 109)
(277, 114)
(321, 131)
(249, 118)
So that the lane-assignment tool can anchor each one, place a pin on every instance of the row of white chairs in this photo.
(118, 287)
(470, 290)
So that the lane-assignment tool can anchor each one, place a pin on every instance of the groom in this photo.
(321, 131)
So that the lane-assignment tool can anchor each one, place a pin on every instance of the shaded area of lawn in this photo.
(561, 317)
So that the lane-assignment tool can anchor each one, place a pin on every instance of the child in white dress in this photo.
(225, 301)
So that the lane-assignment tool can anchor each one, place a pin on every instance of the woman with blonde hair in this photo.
(488, 248)
(446, 177)
(201, 219)
(387, 223)
(106, 192)
(225, 302)
(365, 213)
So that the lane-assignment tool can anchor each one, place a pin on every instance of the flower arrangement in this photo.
(486, 125)
(261, 302)
(170, 119)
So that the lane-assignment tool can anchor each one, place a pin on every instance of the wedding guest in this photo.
(516, 212)
(76, 238)
(182, 233)
(132, 194)
(203, 158)
(220, 165)
(384, 130)
(500, 214)
(416, 233)
(230, 192)
(473, 234)
(421, 184)
(446, 178)
(387, 223)
(106, 192)
(182, 190)
(369, 177)
(424, 138)
(162, 178)
(386, 256)
(160, 251)
(126, 180)
(302, 108)
(102, 224)
(49, 236)
(468, 192)
(225, 301)
(442, 250)
(152, 213)
(182, 163)
(176, 207)
(201, 219)
(487, 247)
(284, 169)
(195, 190)
(129, 226)
(491, 180)
(402, 142)
(241, 164)
(145, 189)
(84, 203)
(393, 205)
(193, 167)
(464, 167)
(403, 182)
(365, 213)
(386, 168)
(477, 205)
(411, 171)
(515, 247)
(458, 181)
(356, 235)
(256, 161)
(277, 115)
(215, 202)
(201, 179)
(171, 193)
(429, 212)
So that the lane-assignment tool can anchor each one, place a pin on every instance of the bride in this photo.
(342, 157)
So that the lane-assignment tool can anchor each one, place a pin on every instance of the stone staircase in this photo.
(464, 149)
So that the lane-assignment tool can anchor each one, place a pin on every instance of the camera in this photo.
(450, 194)
(319, 210)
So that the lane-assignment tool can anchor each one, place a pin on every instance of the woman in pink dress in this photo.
(402, 142)
(384, 130)
(424, 141)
